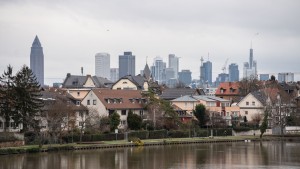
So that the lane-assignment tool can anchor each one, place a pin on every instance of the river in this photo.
(233, 155)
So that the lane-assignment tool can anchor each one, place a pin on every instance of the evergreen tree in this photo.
(28, 93)
(264, 124)
(200, 113)
(134, 121)
(114, 121)
(7, 96)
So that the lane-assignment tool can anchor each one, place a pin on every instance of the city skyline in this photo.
(73, 31)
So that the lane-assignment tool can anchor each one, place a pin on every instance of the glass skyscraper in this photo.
(126, 64)
(234, 74)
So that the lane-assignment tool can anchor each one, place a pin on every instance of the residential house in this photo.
(130, 82)
(228, 91)
(107, 101)
(213, 104)
(78, 86)
(253, 105)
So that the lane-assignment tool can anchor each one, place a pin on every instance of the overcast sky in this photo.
(72, 32)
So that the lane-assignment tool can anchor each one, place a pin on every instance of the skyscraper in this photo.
(102, 65)
(174, 64)
(250, 68)
(206, 72)
(158, 70)
(37, 60)
(234, 74)
(185, 76)
(126, 64)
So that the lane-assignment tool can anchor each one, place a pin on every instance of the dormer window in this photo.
(222, 90)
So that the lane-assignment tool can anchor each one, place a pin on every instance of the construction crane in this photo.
(224, 67)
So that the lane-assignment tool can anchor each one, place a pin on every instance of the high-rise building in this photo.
(234, 74)
(114, 74)
(158, 70)
(250, 68)
(206, 72)
(126, 64)
(37, 60)
(185, 76)
(286, 77)
(174, 64)
(102, 65)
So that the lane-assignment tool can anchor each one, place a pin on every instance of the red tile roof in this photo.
(120, 99)
(229, 88)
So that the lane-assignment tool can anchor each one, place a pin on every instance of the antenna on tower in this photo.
(201, 60)
(208, 56)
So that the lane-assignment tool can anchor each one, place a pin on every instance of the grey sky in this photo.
(72, 32)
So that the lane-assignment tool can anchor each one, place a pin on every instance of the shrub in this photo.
(179, 133)
(241, 129)
(157, 134)
(33, 150)
(139, 134)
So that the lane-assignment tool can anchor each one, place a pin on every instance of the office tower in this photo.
(126, 64)
(206, 72)
(174, 64)
(222, 77)
(158, 70)
(234, 72)
(185, 76)
(37, 60)
(250, 68)
(102, 65)
(264, 77)
(286, 77)
(114, 74)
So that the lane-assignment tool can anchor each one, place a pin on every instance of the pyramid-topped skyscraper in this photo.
(37, 60)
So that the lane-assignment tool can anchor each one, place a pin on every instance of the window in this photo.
(247, 103)
(253, 103)
(141, 112)
(246, 112)
(88, 102)
(78, 93)
(123, 112)
(94, 102)
(77, 103)
(1, 124)
(123, 122)
(81, 114)
(124, 82)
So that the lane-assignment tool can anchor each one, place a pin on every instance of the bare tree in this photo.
(256, 119)
(88, 120)
(248, 85)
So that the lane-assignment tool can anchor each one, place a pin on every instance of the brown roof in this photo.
(229, 88)
(120, 99)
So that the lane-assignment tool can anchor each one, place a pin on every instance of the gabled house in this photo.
(130, 82)
(228, 91)
(252, 105)
(88, 81)
(213, 104)
(173, 93)
(78, 86)
(107, 101)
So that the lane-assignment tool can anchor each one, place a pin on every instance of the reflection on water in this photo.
(223, 155)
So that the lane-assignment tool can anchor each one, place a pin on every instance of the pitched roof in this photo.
(229, 88)
(173, 93)
(137, 80)
(147, 72)
(77, 81)
(260, 96)
(124, 99)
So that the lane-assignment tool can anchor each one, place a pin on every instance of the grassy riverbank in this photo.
(123, 143)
